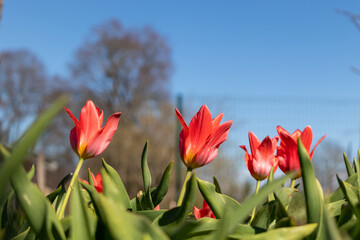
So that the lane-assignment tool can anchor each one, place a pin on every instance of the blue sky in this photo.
(253, 52)
(236, 48)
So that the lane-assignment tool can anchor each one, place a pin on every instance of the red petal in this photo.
(286, 138)
(275, 141)
(266, 148)
(196, 213)
(75, 139)
(103, 137)
(254, 142)
(243, 147)
(312, 152)
(89, 120)
(306, 137)
(217, 120)
(200, 129)
(72, 116)
(219, 135)
(181, 119)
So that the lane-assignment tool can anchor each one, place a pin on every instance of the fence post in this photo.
(178, 165)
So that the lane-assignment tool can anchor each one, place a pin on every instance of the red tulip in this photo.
(199, 142)
(97, 182)
(262, 157)
(204, 212)
(287, 152)
(88, 138)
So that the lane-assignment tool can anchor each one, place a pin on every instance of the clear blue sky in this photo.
(237, 48)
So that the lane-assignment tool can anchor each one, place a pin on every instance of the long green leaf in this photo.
(349, 169)
(146, 179)
(28, 140)
(80, 228)
(289, 233)
(216, 201)
(172, 219)
(159, 193)
(119, 184)
(239, 215)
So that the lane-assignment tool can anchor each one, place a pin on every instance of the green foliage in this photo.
(26, 213)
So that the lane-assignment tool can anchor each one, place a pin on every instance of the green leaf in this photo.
(338, 194)
(355, 165)
(265, 215)
(270, 179)
(119, 184)
(216, 201)
(289, 233)
(151, 214)
(146, 179)
(217, 185)
(28, 140)
(60, 197)
(90, 180)
(36, 207)
(241, 214)
(313, 197)
(159, 193)
(334, 208)
(119, 223)
(80, 227)
(345, 214)
(21, 236)
(173, 218)
(352, 196)
(52, 196)
(349, 169)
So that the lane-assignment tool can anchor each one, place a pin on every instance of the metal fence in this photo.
(338, 118)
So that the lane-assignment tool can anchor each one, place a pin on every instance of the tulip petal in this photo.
(216, 121)
(312, 152)
(219, 135)
(200, 128)
(244, 148)
(196, 213)
(286, 137)
(254, 142)
(90, 120)
(306, 137)
(181, 119)
(103, 137)
(266, 148)
(74, 137)
(72, 116)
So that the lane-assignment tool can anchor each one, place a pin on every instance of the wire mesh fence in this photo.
(339, 119)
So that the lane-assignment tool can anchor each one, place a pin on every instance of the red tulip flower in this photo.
(204, 212)
(199, 142)
(287, 152)
(88, 138)
(97, 182)
(262, 157)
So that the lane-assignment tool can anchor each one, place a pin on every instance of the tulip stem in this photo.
(292, 184)
(254, 210)
(182, 193)
(70, 188)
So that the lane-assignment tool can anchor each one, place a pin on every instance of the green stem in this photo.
(292, 184)
(254, 210)
(70, 188)
(181, 196)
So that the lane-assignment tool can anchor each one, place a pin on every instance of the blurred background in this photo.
(263, 64)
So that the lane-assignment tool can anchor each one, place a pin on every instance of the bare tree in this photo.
(128, 71)
(22, 80)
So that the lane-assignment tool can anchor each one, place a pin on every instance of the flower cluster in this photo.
(263, 158)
